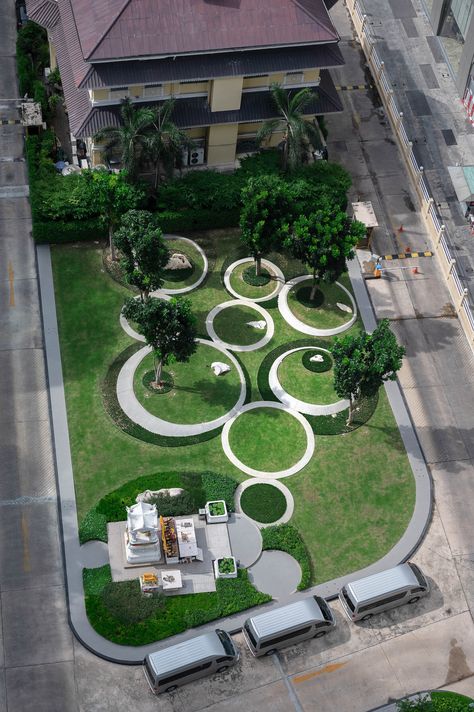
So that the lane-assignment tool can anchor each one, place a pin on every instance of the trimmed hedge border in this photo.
(285, 537)
(321, 424)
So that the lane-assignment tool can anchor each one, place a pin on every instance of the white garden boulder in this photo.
(220, 368)
(178, 261)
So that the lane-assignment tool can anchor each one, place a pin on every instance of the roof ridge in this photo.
(108, 28)
(331, 29)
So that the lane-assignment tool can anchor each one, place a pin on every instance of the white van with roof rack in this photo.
(197, 657)
(373, 594)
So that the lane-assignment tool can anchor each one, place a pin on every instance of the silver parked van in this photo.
(309, 618)
(373, 594)
(178, 664)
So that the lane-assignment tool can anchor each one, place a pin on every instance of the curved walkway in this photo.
(302, 462)
(132, 407)
(290, 502)
(280, 280)
(200, 280)
(132, 655)
(299, 325)
(270, 330)
(295, 403)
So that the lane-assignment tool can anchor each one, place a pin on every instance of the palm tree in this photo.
(299, 132)
(130, 137)
(164, 142)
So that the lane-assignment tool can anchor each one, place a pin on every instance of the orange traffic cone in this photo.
(415, 270)
(400, 229)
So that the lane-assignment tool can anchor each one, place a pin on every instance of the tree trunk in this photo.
(314, 287)
(351, 412)
(111, 242)
(158, 363)
(258, 265)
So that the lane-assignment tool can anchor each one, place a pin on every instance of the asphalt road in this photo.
(358, 667)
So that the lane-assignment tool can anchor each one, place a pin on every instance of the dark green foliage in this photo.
(93, 526)
(32, 58)
(437, 701)
(176, 506)
(216, 509)
(285, 537)
(322, 126)
(256, 280)
(216, 486)
(265, 162)
(60, 231)
(303, 295)
(317, 366)
(226, 566)
(264, 503)
(125, 602)
(177, 614)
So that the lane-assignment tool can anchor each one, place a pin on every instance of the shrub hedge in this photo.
(32, 53)
(285, 537)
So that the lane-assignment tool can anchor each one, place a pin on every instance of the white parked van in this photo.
(309, 618)
(178, 664)
(373, 594)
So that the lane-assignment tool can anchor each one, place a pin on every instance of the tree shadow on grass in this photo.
(222, 393)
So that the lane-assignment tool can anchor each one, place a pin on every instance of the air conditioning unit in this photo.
(294, 78)
(196, 157)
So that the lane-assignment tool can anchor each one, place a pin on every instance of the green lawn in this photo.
(353, 500)
(264, 503)
(231, 325)
(177, 279)
(306, 385)
(327, 316)
(267, 439)
(197, 395)
(238, 283)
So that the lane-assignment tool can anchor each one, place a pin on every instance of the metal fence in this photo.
(431, 217)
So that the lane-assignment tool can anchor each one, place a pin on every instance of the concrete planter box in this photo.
(216, 518)
(219, 574)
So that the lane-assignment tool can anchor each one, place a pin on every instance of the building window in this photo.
(294, 78)
(119, 93)
(455, 23)
(153, 90)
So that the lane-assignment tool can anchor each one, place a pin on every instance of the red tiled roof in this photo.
(112, 29)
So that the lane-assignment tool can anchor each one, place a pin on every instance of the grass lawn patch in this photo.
(231, 325)
(328, 315)
(285, 537)
(246, 286)
(123, 618)
(267, 439)
(179, 278)
(197, 394)
(264, 503)
(305, 385)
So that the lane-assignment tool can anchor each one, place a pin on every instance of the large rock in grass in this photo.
(149, 495)
(178, 261)
(220, 368)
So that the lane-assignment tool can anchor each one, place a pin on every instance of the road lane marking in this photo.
(26, 544)
(11, 277)
(332, 667)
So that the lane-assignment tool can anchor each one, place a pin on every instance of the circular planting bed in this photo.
(228, 323)
(303, 384)
(184, 280)
(165, 386)
(240, 280)
(197, 394)
(263, 502)
(323, 317)
(315, 365)
(268, 440)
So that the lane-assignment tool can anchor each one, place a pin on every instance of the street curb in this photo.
(130, 655)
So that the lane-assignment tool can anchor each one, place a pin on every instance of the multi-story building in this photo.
(218, 59)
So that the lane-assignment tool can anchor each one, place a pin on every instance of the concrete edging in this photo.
(269, 331)
(131, 655)
(280, 277)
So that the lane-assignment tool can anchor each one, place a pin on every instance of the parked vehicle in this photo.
(178, 664)
(267, 632)
(373, 594)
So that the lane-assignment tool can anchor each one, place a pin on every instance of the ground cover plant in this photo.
(349, 510)
(286, 537)
(250, 287)
(264, 503)
(216, 509)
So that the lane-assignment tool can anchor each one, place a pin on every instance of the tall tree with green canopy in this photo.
(129, 139)
(164, 142)
(112, 196)
(144, 252)
(363, 362)
(324, 240)
(264, 217)
(169, 327)
(298, 131)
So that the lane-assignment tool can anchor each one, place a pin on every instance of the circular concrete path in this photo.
(245, 539)
(295, 403)
(280, 280)
(276, 573)
(132, 407)
(290, 503)
(270, 330)
(299, 325)
(200, 280)
(302, 462)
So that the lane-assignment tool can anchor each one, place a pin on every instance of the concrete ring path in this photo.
(302, 462)
(290, 502)
(276, 573)
(295, 403)
(270, 330)
(299, 325)
(200, 280)
(139, 415)
(280, 279)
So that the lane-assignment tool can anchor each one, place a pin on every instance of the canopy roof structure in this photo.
(462, 178)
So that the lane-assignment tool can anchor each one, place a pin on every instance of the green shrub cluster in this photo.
(125, 602)
(437, 701)
(170, 616)
(93, 526)
(216, 486)
(285, 537)
(317, 366)
(264, 503)
(32, 53)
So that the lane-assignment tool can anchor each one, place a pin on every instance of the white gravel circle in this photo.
(270, 330)
(295, 403)
(299, 325)
(302, 462)
(280, 279)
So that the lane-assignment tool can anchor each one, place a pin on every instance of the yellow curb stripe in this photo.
(332, 667)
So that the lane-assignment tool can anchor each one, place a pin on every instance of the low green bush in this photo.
(169, 506)
(32, 52)
(62, 231)
(317, 366)
(436, 701)
(126, 603)
(256, 280)
(177, 614)
(216, 486)
(285, 537)
(226, 566)
(216, 509)
(93, 526)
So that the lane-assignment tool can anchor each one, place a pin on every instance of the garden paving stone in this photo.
(276, 573)
(245, 539)
(94, 554)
